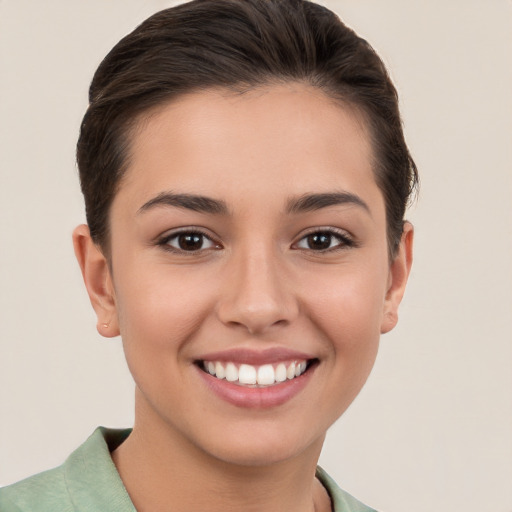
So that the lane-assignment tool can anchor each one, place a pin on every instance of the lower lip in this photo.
(257, 398)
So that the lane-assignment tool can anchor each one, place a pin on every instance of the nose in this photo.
(257, 295)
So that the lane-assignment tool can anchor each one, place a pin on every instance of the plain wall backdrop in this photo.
(432, 429)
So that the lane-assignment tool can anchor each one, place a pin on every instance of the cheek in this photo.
(159, 313)
(348, 313)
(347, 309)
(160, 310)
(348, 304)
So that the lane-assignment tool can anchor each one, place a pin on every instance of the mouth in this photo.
(257, 376)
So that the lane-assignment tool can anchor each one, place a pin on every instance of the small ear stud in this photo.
(106, 326)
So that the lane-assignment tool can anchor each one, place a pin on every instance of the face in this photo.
(249, 274)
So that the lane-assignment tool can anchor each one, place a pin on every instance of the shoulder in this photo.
(87, 481)
(45, 491)
(342, 501)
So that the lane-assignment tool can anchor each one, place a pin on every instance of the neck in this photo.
(160, 468)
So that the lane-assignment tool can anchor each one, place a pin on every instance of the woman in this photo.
(245, 178)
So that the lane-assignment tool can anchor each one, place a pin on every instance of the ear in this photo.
(98, 281)
(398, 274)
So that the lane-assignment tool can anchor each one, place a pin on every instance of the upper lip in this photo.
(256, 357)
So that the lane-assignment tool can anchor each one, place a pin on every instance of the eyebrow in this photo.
(312, 202)
(204, 204)
(197, 203)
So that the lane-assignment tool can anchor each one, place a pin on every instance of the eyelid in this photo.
(163, 240)
(346, 239)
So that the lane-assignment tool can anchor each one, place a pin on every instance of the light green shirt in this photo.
(89, 482)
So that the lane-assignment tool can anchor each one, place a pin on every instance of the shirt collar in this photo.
(91, 476)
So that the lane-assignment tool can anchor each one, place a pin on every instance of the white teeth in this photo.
(280, 372)
(299, 368)
(220, 373)
(266, 375)
(231, 372)
(249, 375)
(290, 372)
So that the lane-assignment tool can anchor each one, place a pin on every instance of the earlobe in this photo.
(398, 275)
(98, 281)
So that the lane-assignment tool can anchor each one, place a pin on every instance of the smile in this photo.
(247, 375)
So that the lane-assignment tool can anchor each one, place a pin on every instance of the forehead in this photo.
(271, 140)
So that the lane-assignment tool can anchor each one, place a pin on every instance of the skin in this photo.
(258, 284)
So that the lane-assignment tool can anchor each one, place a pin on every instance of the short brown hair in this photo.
(237, 44)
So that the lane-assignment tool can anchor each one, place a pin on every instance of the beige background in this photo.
(432, 429)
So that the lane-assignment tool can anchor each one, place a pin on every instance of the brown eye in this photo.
(319, 241)
(324, 241)
(190, 242)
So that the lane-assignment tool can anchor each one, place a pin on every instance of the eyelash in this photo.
(164, 241)
(345, 241)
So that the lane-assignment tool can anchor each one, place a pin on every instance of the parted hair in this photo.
(238, 45)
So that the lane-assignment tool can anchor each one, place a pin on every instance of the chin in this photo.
(255, 456)
(264, 446)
